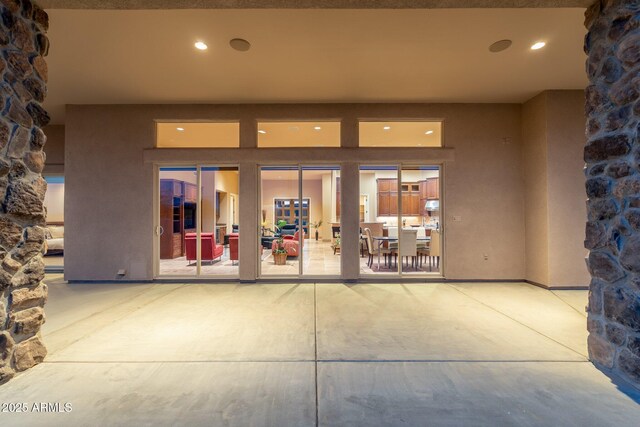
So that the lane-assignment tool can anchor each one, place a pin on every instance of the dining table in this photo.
(381, 239)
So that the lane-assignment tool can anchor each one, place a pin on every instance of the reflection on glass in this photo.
(321, 220)
(280, 242)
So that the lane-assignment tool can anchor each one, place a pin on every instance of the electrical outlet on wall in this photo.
(485, 256)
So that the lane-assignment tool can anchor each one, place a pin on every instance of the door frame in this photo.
(399, 275)
(156, 222)
(301, 275)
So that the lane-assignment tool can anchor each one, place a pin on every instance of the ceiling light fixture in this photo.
(500, 45)
(180, 129)
(538, 45)
(262, 131)
(317, 128)
(429, 132)
(201, 45)
(386, 127)
(241, 45)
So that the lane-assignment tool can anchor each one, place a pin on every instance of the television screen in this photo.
(189, 215)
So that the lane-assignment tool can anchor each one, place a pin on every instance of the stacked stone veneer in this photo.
(23, 76)
(612, 155)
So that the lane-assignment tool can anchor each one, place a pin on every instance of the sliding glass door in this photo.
(300, 221)
(400, 221)
(197, 231)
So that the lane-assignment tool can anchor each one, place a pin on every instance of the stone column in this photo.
(23, 72)
(612, 155)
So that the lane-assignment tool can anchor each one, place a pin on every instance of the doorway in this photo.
(403, 233)
(195, 235)
(299, 214)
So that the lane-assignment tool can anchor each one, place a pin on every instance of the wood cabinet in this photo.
(190, 192)
(171, 218)
(433, 188)
(388, 197)
(429, 190)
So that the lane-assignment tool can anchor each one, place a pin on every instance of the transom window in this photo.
(400, 134)
(198, 135)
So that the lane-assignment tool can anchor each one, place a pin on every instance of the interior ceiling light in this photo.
(201, 46)
(538, 45)
(500, 45)
(240, 45)
(317, 128)
(386, 127)
(180, 129)
(429, 132)
(262, 131)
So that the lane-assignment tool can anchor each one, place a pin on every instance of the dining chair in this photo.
(392, 232)
(408, 247)
(434, 248)
(373, 249)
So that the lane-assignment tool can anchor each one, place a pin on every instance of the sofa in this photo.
(288, 229)
(209, 249)
(54, 235)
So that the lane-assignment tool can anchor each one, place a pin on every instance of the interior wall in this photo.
(278, 189)
(54, 149)
(54, 202)
(483, 187)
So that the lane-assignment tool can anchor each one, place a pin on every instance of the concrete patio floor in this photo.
(324, 354)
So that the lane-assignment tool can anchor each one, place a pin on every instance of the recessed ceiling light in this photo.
(201, 46)
(180, 129)
(386, 127)
(240, 45)
(262, 131)
(500, 45)
(317, 128)
(538, 45)
(429, 132)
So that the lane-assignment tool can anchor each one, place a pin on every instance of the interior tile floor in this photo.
(318, 354)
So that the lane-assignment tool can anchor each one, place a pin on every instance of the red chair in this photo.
(233, 247)
(208, 248)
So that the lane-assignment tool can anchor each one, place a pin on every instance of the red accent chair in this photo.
(233, 247)
(290, 243)
(209, 249)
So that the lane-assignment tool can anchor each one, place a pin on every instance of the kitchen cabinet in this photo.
(433, 188)
(388, 197)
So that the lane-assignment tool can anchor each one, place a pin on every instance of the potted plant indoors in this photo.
(316, 225)
(279, 252)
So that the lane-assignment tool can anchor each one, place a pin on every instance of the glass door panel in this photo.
(219, 224)
(420, 239)
(178, 221)
(379, 226)
(281, 243)
(321, 220)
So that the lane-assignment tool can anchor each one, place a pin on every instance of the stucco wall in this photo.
(553, 141)
(534, 151)
(567, 208)
(109, 183)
